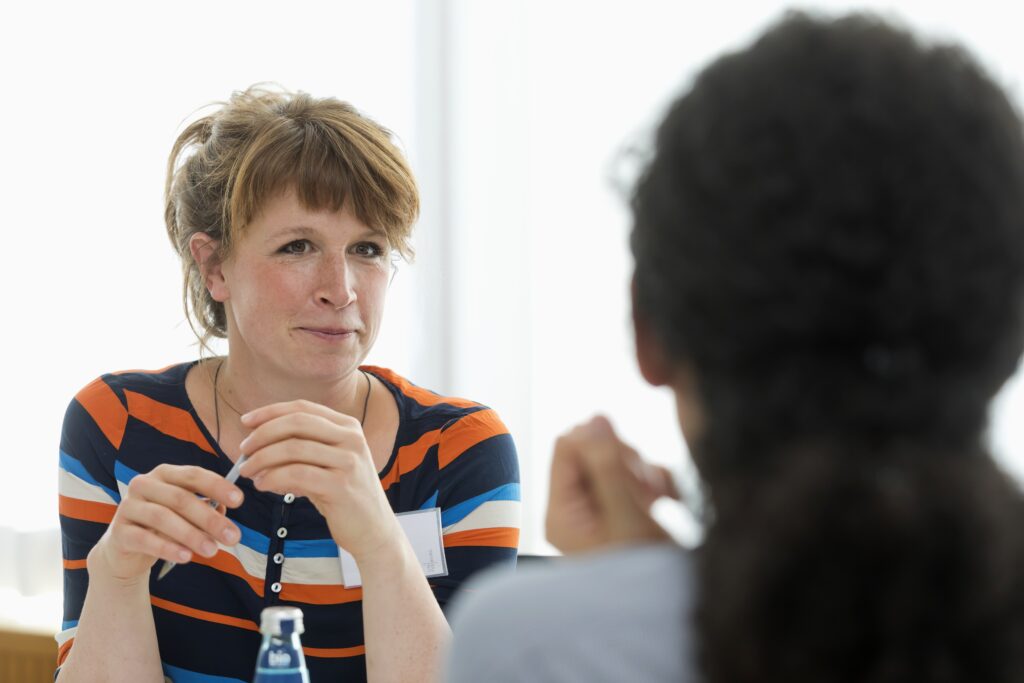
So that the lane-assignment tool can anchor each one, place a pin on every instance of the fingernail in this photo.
(230, 535)
(244, 446)
(235, 497)
(208, 548)
(184, 556)
(257, 479)
(247, 416)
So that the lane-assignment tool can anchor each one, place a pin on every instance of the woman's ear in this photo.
(650, 352)
(205, 252)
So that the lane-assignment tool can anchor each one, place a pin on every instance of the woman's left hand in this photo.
(307, 449)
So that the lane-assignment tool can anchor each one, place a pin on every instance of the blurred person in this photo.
(287, 211)
(829, 252)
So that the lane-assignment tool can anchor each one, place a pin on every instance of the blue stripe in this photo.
(123, 473)
(69, 464)
(179, 675)
(315, 548)
(253, 539)
(431, 502)
(65, 625)
(457, 513)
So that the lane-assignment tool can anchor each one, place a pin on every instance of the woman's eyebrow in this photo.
(307, 231)
(297, 230)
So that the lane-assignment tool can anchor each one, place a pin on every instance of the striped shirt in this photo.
(449, 453)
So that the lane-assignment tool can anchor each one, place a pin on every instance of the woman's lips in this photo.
(329, 333)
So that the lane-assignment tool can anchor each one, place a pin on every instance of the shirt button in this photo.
(289, 497)
(278, 558)
(276, 587)
(282, 532)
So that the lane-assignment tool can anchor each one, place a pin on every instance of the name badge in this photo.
(423, 529)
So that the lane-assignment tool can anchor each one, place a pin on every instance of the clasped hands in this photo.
(602, 491)
(299, 447)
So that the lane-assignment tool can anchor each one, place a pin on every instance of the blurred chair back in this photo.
(27, 657)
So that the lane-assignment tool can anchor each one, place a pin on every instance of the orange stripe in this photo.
(422, 396)
(229, 564)
(204, 615)
(335, 651)
(317, 594)
(62, 653)
(105, 408)
(410, 457)
(167, 419)
(323, 652)
(498, 537)
(86, 510)
(74, 564)
(466, 433)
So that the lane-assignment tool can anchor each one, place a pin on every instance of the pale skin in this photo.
(303, 291)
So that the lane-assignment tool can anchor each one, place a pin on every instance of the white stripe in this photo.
(320, 571)
(493, 513)
(316, 571)
(72, 486)
(65, 635)
(253, 562)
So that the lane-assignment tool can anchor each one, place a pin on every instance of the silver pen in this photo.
(231, 477)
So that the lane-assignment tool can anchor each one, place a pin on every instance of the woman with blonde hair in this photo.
(286, 211)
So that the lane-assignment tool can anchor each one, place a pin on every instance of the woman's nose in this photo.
(337, 283)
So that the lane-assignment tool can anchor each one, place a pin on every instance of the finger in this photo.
(604, 464)
(296, 426)
(573, 519)
(132, 538)
(172, 526)
(662, 482)
(188, 507)
(198, 480)
(255, 418)
(298, 478)
(565, 466)
(622, 497)
(649, 482)
(300, 451)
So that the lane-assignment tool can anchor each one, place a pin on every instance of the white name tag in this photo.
(423, 529)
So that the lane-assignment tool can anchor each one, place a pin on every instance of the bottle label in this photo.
(280, 665)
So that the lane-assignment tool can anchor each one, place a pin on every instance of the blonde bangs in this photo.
(328, 158)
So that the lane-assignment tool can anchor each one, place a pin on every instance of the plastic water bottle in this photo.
(280, 659)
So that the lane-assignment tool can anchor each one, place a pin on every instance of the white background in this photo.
(515, 116)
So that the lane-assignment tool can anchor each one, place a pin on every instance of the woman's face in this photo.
(304, 290)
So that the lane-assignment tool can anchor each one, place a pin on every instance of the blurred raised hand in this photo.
(602, 491)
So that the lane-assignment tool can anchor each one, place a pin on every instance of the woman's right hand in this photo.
(161, 517)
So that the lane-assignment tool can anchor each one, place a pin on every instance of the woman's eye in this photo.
(369, 249)
(296, 247)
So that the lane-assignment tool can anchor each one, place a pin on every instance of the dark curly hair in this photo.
(831, 236)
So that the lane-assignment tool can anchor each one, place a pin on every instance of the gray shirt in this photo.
(621, 615)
